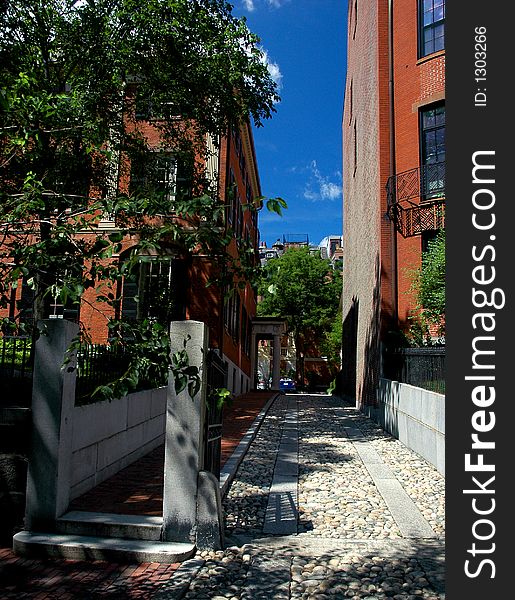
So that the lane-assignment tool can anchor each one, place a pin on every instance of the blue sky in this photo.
(299, 151)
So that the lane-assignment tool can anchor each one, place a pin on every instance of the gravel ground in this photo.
(348, 544)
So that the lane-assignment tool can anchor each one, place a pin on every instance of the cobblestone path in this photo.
(370, 516)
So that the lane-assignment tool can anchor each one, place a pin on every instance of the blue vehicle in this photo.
(287, 385)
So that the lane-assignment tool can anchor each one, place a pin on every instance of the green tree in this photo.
(74, 76)
(331, 344)
(303, 288)
(429, 286)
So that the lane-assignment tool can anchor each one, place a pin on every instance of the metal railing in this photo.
(16, 369)
(98, 365)
(15, 356)
(216, 379)
(421, 367)
(416, 199)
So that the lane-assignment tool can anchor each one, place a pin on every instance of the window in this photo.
(162, 175)
(58, 310)
(232, 190)
(147, 108)
(431, 26)
(26, 303)
(248, 193)
(52, 305)
(239, 217)
(432, 150)
(154, 290)
(246, 329)
(232, 316)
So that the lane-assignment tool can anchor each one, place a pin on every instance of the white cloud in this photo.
(273, 69)
(250, 5)
(320, 187)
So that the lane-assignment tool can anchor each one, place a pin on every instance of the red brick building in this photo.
(173, 285)
(394, 171)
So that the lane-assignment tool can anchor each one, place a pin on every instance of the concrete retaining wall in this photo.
(108, 436)
(414, 416)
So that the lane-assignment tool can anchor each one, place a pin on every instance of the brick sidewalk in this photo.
(138, 489)
(75, 580)
(50, 579)
(239, 417)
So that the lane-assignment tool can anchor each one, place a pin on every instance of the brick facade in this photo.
(380, 141)
(233, 160)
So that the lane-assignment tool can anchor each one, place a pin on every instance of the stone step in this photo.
(94, 524)
(78, 547)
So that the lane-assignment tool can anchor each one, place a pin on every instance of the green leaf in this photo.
(194, 387)
(181, 381)
(116, 237)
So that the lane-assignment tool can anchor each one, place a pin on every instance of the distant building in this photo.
(329, 245)
(295, 240)
(279, 247)
(265, 253)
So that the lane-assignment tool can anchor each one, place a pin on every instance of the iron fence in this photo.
(421, 367)
(15, 356)
(98, 365)
(216, 379)
(16, 368)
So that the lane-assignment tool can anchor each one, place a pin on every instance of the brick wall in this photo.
(366, 152)
(417, 83)
(377, 260)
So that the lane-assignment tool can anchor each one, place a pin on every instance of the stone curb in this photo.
(230, 467)
(283, 504)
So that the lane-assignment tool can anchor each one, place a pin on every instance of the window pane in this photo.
(428, 119)
(433, 135)
(428, 18)
(439, 13)
(439, 44)
(428, 5)
(440, 140)
(430, 148)
(438, 31)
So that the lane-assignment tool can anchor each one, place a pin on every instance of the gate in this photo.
(216, 378)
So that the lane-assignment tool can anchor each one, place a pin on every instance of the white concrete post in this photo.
(276, 364)
(184, 437)
(253, 361)
(53, 400)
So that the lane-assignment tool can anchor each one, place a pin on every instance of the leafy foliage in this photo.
(331, 344)
(429, 286)
(185, 375)
(303, 288)
(74, 76)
